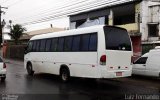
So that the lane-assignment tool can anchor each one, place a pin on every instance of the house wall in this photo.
(121, 12)
(127, 17)
(150, 14)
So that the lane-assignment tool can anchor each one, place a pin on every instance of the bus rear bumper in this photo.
(116, 74)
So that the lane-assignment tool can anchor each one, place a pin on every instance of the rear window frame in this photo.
(122, 47)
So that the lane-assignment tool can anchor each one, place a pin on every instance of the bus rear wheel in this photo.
(29, 69)
(64, 74)
(3, 79)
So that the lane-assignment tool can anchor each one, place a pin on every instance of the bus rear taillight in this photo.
(4, 65)
(103, 60)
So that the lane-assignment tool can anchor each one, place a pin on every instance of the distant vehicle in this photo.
(2, 70)
(148, 64)
(92, 52)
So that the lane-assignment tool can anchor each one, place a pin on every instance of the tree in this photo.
(16, 32)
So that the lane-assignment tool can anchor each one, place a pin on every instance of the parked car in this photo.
(148, 64)
(2, 70)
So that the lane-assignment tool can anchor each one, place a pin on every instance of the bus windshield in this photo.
(117, 39)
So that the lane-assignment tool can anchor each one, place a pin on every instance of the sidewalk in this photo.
(14, 61)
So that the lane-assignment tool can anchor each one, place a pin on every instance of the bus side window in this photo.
(60, 44)
(34, 46)
(42, 45)
(85, 42)
(37, 45)
(48, 45)
(54, 44)
(68, 43)
(76, 43)
(93, 42)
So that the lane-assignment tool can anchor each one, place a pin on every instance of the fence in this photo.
(14, 51)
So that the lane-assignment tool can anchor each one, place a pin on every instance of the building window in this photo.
(153, 30)
(106, 20)
(80, 22)
(124, 14)
(125, 19)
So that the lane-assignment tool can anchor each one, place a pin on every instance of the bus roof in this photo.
(70, 32)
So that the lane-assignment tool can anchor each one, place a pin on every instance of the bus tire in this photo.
(64, 74)
(29, 69)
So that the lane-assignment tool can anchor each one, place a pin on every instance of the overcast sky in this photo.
(34, 14)
(23, 11)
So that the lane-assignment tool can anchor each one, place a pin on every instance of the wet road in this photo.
(20, 86)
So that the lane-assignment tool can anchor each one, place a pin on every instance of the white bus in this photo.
(92, 52)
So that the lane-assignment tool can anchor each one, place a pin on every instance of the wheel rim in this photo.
(64, 76)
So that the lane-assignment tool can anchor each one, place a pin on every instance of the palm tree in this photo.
(16, 32)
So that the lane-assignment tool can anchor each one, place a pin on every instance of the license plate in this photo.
(118, 73)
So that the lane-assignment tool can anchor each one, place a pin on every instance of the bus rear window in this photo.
(117, 39)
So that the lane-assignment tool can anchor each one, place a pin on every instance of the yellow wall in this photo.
(130, 27)
(110, 21)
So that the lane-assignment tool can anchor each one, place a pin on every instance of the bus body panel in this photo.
(82, 64)
(117, 56)
(121, 66)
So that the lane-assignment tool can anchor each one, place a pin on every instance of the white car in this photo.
(2, 70)
(148, 64)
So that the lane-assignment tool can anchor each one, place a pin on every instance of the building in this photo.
(141, 18)
(30, 34)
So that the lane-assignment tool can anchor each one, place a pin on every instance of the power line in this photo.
(72, 12)
(48, 11)
(60, 10)
(24, 12)
(66, 9)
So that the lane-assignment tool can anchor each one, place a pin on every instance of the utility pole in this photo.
(1, 26)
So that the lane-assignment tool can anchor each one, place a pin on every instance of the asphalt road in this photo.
(20, 86)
